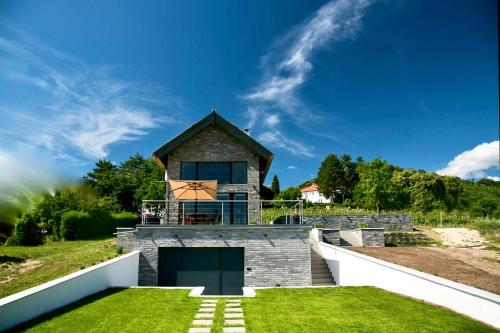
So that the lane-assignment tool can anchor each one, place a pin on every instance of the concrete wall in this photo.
(216, 145)
(350, 222)
(274, 255)
(25, 305)
(354, 269)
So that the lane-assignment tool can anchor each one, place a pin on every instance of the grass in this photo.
(348, 309)
(23, 267)
(342, 309)
(122, 310)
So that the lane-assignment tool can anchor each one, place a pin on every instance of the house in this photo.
(311, 194)
(216, 236)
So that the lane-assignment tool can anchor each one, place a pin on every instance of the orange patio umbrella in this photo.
(194, 189)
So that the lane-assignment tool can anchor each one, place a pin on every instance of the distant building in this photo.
(311, 194)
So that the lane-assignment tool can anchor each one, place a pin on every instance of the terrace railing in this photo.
(191, 212)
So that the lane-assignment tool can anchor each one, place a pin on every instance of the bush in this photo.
(75, 225)
(27, 231)
(84, 225)
(124, 219)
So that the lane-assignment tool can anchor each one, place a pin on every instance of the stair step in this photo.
(323, 280)
(322, 276)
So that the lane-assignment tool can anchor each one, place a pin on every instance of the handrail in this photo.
(164, 211)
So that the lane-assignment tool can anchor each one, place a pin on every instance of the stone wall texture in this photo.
(213, 144)
(373, 237)
(350, 222)
(274, 255)
(331, 236)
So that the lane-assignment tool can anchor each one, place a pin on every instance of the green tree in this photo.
(290, 193)
(375, 189)
(330, 176)
(350, 177)
(275, 186)
(427, 191)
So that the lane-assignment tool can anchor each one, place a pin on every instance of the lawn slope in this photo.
(23, 267)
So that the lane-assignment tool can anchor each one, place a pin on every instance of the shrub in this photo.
(27, 231)
(124, 219)
(75, 225)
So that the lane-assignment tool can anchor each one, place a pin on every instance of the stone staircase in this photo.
(320, 273)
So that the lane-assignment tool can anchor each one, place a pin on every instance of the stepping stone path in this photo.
(204, 319)
(233, 317)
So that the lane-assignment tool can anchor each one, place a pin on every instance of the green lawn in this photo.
(343, 309)
(23, 267)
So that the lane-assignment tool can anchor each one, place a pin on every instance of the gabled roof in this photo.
(215, 119)
(310, 188)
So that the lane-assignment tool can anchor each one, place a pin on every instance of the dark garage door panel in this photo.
(220, 270)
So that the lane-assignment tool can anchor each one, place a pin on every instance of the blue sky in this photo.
(412, 82)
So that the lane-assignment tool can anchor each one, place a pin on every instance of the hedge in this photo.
(26, 231)
(83, 225)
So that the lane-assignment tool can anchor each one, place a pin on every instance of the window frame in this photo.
(231, 173)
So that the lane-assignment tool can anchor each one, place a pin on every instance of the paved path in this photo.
(234, 321)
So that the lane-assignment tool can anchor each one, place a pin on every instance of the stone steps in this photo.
(320, 273)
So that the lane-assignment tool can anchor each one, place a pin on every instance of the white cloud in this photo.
(475, 162)
(292, 167)
(276, 139)
(495, 178)
(82, 110)
(287, 66)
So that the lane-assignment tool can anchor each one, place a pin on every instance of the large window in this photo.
(223, 172)
(230, 208)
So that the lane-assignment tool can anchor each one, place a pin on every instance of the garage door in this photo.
(220, 270)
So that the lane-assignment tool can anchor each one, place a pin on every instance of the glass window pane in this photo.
(188, 171)
(240, 209)
(225, 208)
(215, 171)
(239, 173)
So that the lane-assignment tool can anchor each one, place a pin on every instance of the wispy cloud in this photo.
(78, 111)
(292, 167)
(287, 66)
(475, 162)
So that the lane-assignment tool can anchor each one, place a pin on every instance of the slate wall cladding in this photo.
(350, 222)
(274, 255)
(216, 145)
(331, 236)
(372, 237)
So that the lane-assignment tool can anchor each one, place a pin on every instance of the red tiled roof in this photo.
(310, 188)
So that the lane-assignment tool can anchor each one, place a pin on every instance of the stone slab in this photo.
(233, 310)
(229, 305)
(210, 301)
(233, 315)
(204, 315)
(233, 330)
(199, 330)
(233, 322)
(208, 305)
(202, 322)
(206, 310)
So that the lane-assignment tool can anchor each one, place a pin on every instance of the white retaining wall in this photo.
(354, 269)
(28, 304)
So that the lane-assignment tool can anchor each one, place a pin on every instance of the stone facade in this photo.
(350, 222)
(372, 237)
(274, 255)
(213, 144)
(331, 236)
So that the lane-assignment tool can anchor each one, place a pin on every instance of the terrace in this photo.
(224, 212)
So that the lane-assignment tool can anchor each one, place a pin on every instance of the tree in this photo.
(350, 177)
(275, 186)
(290, 193)
(427, 191)
(375, 189)
(330, 176)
